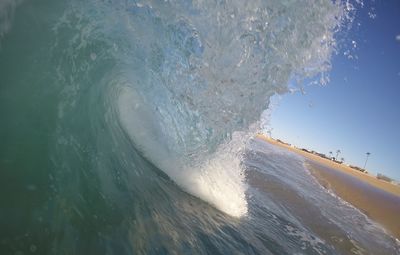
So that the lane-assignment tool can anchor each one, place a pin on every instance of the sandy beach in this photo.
(379, 200)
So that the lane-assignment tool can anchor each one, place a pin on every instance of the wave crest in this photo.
(192, 73)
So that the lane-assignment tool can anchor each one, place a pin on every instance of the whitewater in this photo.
(127, 127)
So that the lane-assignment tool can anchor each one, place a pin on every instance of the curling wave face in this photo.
(189, 74)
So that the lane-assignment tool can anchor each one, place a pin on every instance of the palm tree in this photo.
(342, 159)
(365, 164)
(337, 154)
(330, 153)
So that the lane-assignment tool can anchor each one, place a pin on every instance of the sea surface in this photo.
(125, 128)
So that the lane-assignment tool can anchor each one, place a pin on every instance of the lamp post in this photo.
(365, 164)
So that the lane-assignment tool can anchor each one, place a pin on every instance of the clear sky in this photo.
(359, 110)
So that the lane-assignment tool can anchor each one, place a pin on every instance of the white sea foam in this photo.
(218, 180)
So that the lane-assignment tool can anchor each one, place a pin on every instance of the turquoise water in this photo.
(125, 126)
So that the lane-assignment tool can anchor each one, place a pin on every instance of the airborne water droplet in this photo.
(93, 56)
(33, 248)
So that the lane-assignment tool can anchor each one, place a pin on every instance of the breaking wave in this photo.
(187, 75)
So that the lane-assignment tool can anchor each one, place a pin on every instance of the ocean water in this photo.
(125, 128)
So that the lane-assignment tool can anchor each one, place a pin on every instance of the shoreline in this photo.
(372, 180)
(377, 199)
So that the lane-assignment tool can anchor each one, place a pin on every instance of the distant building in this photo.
(280, 141)
(321, 155)
(384, 178)
(358, 168)
(337, 161)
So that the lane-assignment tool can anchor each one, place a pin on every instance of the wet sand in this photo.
(305, 211)
(380, 206)
(377, 199)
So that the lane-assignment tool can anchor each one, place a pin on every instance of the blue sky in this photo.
(359, 110)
